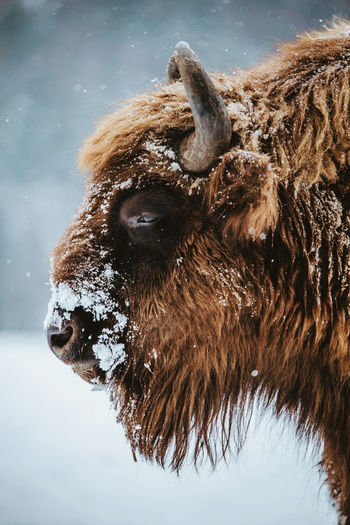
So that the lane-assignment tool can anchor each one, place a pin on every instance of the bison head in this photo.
(169, 285)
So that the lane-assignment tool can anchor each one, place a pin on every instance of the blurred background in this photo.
(64, 64)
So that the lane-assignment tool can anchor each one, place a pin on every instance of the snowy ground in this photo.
(65, 461)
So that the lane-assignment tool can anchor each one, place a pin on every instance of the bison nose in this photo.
(58, 339)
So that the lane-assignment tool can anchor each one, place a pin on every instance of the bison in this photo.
(208, 264)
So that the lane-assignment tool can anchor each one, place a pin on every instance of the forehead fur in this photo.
(163, 114)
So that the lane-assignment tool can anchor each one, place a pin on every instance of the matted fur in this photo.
(259, 280)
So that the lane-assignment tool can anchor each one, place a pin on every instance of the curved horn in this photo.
(213, 130)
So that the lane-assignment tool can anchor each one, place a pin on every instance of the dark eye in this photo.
(152, 217)
(145, 219)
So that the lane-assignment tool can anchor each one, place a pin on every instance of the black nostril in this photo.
(59, 337)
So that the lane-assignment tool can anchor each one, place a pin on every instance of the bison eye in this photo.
(141, 221)
(144, 219)
(151, 217)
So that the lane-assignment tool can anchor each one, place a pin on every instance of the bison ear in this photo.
(243, 194)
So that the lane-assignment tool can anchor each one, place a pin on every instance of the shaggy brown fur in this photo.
(257, 278)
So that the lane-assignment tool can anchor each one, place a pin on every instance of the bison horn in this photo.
(213, 130)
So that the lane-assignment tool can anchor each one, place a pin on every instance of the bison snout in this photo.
(64, 341)
(58, 338)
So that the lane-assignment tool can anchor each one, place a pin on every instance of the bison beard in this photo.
(208, 268)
